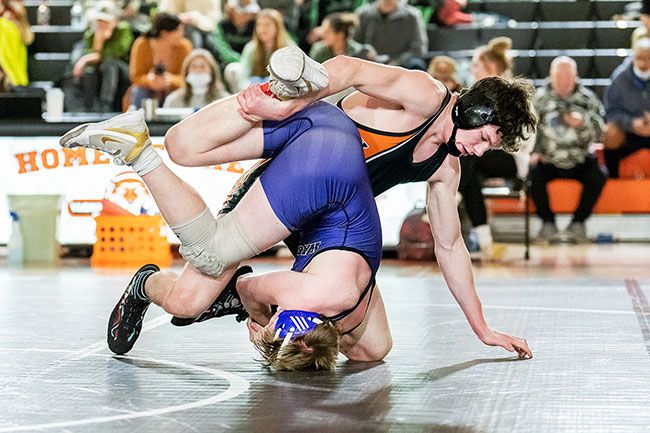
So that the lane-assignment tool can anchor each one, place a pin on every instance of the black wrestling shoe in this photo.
(126, 319)
(226, 304)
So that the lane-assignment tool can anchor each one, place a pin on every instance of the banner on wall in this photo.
(85, 177)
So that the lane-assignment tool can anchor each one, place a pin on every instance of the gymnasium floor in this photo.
(584, 310)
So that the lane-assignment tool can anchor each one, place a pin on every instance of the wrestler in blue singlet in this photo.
(318, 186)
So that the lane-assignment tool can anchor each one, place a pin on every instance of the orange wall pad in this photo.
(619, 196)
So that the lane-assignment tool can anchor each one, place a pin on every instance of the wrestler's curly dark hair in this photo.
(512, 102)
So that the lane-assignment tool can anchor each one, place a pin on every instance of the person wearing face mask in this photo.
(627, 107)
(571, 118)
(202, 83)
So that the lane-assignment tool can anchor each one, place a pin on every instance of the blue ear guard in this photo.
(471, 111)
(294, 323)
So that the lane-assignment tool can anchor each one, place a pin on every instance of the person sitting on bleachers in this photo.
(103, 67)
(157, 59)
(238, 24)
(199, 16)
(443, 69)
(270, 34)
(335, 34)
(628, 108)
(288, 8)
(643, 31)
(15, 35)
(490, 60)
(202, 82)
(571, 118)
(396, 29)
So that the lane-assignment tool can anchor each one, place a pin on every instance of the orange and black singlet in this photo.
(389, 155)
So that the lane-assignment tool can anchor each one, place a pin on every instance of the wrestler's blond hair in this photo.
(316, 350)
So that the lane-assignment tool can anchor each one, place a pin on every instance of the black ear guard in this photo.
(471, 111)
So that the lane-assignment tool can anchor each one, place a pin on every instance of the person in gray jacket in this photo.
(571, 118)
(627, 108)
(395, 29)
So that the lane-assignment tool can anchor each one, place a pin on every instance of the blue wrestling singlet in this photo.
(318, 185)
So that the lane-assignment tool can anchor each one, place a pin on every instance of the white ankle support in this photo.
(147, 161)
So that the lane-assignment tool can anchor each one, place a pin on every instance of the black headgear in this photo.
(472, 110)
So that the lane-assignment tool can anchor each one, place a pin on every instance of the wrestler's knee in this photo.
(178, 152)
(213, 245)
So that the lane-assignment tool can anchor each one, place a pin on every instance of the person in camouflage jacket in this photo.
(571, 118)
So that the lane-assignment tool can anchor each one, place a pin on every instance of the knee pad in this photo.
(211, 244)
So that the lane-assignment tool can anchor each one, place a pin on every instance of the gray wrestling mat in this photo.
(589, 330)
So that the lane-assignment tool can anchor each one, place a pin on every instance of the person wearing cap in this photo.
(103, 70)
(627, 108)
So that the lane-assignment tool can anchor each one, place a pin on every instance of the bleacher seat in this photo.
(522, 35)
(524, 11)
(59, 11)
(606, 9)
(54, 39)
(47, 66)
(561, 10)
(459, 38)
(614, 34)
(605, 64)
(563, 36)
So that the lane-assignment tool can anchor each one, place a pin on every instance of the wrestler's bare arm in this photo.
(416, 91)
(454, 260)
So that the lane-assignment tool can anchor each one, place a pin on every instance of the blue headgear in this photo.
(472, 110)
(294, 323)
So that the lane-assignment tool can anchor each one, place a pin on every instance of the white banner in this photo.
(38, 165)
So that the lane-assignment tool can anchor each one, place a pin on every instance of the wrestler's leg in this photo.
(214, 135)
(192, 292)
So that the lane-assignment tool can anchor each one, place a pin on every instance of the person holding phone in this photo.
(157, 59)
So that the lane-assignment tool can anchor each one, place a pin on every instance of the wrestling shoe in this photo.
(227, 303)
(126, 319)
(124, 137)
(294, 74)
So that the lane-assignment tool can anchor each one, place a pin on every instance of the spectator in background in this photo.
(643, 31)
(396, 29)
(490, 60)
(571, 118)
(102, 70)
(202, 82)
(15, 36)
(270, 34)
(157, 59)
(335, 40)
(288, 8)
(448, 13)
(627, 108)
(238, 24)
(443, 69)
(200, 18)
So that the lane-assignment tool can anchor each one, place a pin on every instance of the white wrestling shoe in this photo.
(124, 136)
(294, 74)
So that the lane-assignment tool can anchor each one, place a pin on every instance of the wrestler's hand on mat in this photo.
(255, 105)
(508, 342)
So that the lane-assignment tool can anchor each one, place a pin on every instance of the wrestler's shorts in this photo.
(318, 185)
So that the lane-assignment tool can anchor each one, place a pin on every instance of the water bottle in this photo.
(43, 14)
(76, 15)
(15, 246)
